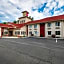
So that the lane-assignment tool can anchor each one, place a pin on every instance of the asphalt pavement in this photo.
(31, 51)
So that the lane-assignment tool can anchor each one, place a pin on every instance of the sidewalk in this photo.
(9, 37)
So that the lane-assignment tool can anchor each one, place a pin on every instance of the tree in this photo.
(32, 18)
(14, 21)
(29, 16)
(17, 21)
(4, 22)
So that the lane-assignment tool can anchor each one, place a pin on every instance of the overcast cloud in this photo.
(10, 10)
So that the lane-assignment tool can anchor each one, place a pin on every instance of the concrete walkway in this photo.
(9, 37)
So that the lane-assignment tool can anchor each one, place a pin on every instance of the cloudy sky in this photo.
(10, 10)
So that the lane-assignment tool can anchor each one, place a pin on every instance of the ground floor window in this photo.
(23, 32)
(30, 32)
(49, 32)
(57, 32)
(35, 32)
(17, 32)
(5, 32)
(20, 32)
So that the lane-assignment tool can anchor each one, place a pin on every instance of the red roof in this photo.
(12, 25)
(49, 19)
(6, 26)
(17, 25)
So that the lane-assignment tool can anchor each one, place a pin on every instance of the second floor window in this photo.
(30, 26)
(23, 21)
(57, 24)
(35, 26)
(49, 24)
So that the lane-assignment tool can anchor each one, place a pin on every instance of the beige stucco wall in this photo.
(26, 20)
(53, 28)
(62, 29)
(5, 30)
(21, 30)
(33, 29)
(21, 20)
(0, 31)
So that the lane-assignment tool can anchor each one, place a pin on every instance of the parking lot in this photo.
(31, 51)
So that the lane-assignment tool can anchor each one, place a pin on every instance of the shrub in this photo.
(41, 35)
(53, 35)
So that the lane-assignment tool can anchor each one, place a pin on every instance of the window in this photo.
(49, 32)
(49, 24)
(57, 24)
(20, 22)
(23, 21)
(18, 32)
(30, 26)
(57, 32)
(6, 32)
(23, 32)
(35, 26)
(35, 32)
(30, 32)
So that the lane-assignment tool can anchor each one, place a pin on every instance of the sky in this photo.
(10, 10)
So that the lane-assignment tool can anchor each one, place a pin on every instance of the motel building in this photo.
(25, 27)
